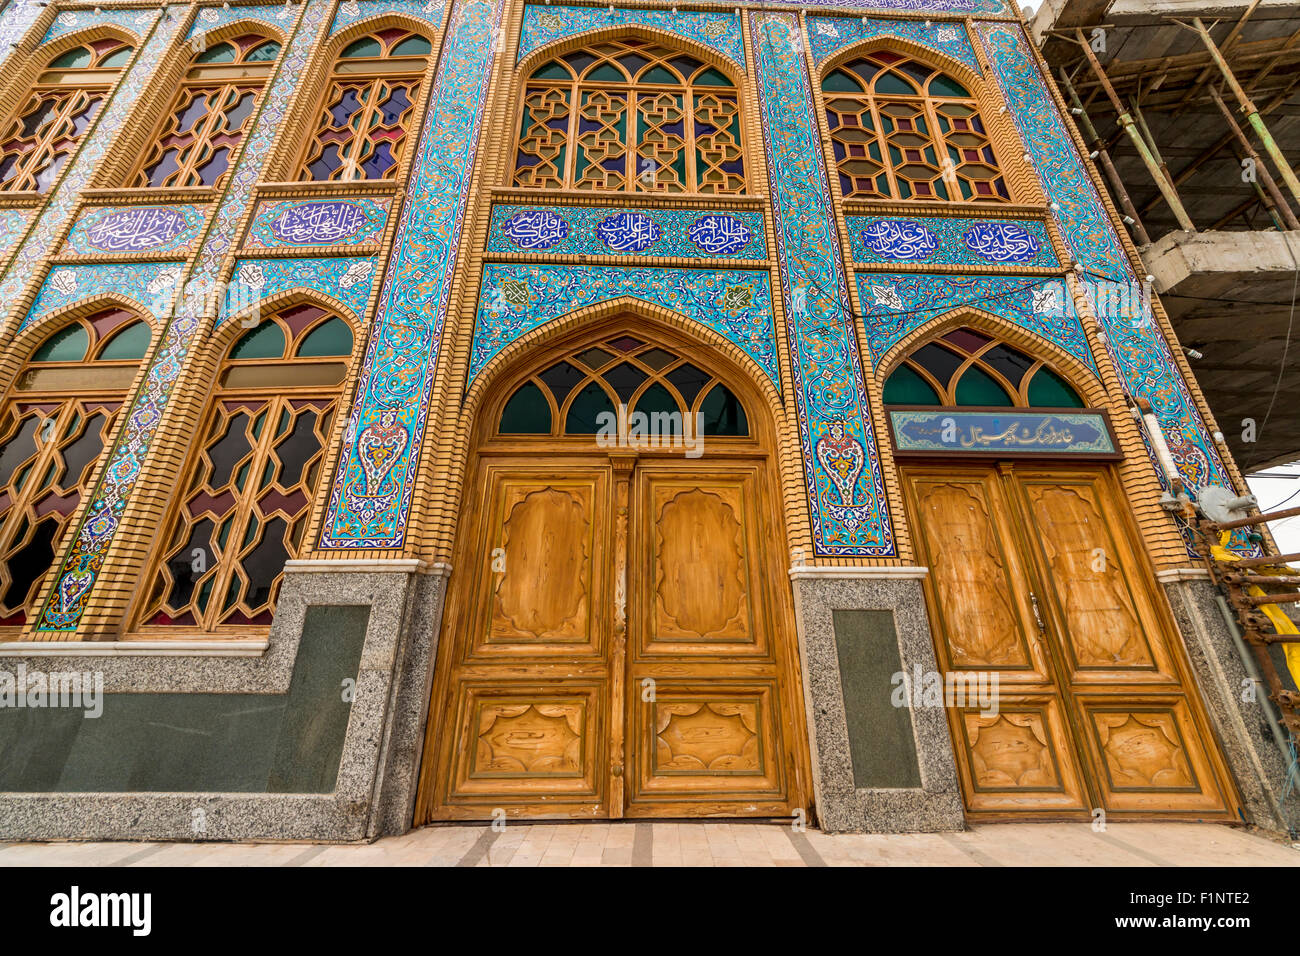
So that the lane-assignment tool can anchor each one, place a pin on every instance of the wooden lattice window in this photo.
(363, 129)
(56, 421)
(581, 395)
(210, 114)
(248, 493)
(965, 367)
(631, 116)
(67, 96)
(903, 130)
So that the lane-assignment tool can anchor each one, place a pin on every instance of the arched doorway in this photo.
(618, 639)
(1045, 610)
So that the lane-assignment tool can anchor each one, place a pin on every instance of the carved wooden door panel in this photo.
(531, 666)
(1140, 725)
(1036, 574)
(1019, 755)
(712, 729)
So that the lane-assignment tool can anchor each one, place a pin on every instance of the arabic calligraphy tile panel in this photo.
(27, 262)
(951, 431)
(572, 230)
(850, 513)
(279, 16)
(69, 21)
(295, 223)
(345, 278)
(518, 298)
(135, 229)
(1135, 342)
(369, 503)
(149, 283)
(350, 11)
(896, 304)
(80, 569)
(828, 35)
(543, 25)
(963, 242)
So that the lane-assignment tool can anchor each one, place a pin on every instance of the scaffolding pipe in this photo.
(1270, 184)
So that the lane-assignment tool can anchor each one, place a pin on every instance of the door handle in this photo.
(1038, 617)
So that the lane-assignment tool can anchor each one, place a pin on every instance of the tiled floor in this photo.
(706, 844)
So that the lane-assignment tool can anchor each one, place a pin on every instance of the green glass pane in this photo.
(841, 82)
(221, 53)
(660, 75)
(712, 77)
(977, 387)
(118, 57)
(907, 387)
(607, 72)
(73, 59)
(1049, 390)
(893, 83)
(586, 409)
(265, 53)
(69, 344)
(265, 341)
(527, 413)
(555, 70)
(331, 337)
(723, 413)
(656, 398)
(131, 343)
(412, 46)
(366, 46)
(946, 86)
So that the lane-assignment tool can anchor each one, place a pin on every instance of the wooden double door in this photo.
(618, 642)
(1036, 574)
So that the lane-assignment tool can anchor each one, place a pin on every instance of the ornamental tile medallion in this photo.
(609, 230)
(121, 230)
(828, 35)
(518, 298)
(939, 240)
(352, 11)
(317, 222)
(347, 279)
(1135, 342)
(85, 558)
(371, 494)
(13, 223)
(546, 24)
(846, 488)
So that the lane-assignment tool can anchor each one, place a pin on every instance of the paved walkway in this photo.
(706, 844)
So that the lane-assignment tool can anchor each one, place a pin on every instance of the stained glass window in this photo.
(630, 116)
(210, 114)
(248, 492)
(368, 112)
(900, 129)
(38, 141)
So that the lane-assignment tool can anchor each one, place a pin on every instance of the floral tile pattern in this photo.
(350, 11)
(346, 278)
(828, 35)
(546, 24)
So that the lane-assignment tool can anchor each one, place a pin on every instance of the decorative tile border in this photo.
(13, 223)
(935, 240)
(68, 599)
(346, 278)
(897, 304)
(280, 16)
(718, 31)
(135, 21)
(371, 496)
(53, 218)
(828, 35)
(518, 298)
(1136, 344)
(350, 11)
(991, 7)
(133, 229)
(846, 488)
(151, 284)
(625, 231)
(296, 223)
